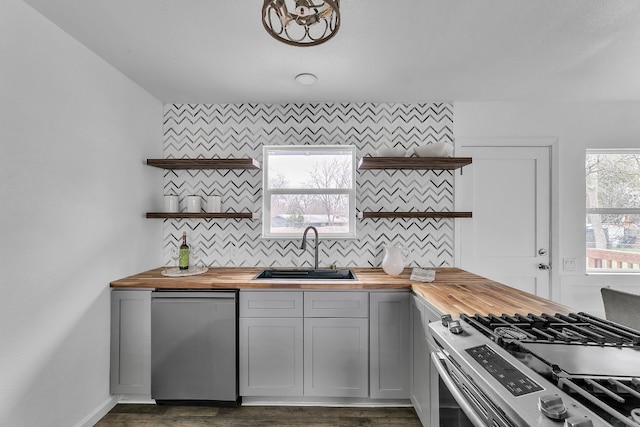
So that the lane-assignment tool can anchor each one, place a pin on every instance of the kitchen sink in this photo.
(304, 274)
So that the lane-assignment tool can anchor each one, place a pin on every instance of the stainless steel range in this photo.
(549, 370)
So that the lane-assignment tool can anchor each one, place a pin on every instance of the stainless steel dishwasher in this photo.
(194, 347)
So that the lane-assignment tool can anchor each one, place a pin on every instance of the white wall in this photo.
(577, 126)
(73, 191)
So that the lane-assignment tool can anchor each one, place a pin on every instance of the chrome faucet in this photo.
(304, 244)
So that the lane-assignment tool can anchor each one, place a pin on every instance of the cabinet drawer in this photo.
(270, 304)
(336, 304)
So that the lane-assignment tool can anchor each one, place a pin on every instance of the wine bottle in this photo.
(184, 253)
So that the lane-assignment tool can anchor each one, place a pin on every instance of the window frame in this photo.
(267, 192)
(608, 211)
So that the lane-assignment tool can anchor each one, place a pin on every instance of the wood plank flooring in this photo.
(129, 415)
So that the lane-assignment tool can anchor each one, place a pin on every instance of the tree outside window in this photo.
(613, 210)
(309, 186)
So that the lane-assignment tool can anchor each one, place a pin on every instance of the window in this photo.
(309, 185)
(613, 210)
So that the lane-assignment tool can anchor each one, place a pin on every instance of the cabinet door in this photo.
(336, 357)
(389, 348)
(271, 357)
(131, 342)
(420, 364)
(431, 314)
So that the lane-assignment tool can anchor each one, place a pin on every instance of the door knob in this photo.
(544, 267)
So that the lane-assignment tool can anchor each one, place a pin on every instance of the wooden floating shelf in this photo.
(205, 215)
(439, 163)
(371, 214)
(227, 163)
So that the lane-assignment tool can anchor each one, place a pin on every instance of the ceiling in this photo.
(215, 51)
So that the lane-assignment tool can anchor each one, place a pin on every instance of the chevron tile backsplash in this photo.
(240, 130)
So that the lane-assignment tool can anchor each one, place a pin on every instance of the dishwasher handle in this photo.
(193, 294)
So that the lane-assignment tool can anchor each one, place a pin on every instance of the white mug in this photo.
(194, 204)
(171, 203)
(214, 204)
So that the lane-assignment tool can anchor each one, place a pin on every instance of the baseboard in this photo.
(326, 402)
(97, 414)
(136, 399)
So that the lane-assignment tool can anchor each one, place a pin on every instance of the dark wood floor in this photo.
(125, 415)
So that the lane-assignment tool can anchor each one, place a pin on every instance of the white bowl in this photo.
(391, 152)
(435, 149)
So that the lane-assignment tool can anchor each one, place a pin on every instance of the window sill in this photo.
(613, 272)
(310, 237)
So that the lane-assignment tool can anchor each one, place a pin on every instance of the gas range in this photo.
(548, 370)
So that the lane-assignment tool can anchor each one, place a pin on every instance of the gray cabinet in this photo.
(424, 385)
(389, 345)
(271, 304)
(313, 343)
(419, 364)
(336, 357)
(271, 356)
(336, 304)
(336, 344)
(271, 343)
(131, 342)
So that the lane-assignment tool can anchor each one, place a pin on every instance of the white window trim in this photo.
(612, 211)
(267, 193)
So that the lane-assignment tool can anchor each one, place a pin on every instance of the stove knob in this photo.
(552, 406)
(446, 318)
(455, 327)
(578, 421)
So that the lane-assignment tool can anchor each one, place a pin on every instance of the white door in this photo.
(507, 188)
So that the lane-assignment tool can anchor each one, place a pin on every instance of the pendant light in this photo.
(301, 22)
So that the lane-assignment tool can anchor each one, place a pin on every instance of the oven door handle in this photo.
(455, 392)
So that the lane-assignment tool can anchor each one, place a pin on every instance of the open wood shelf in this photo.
(439, 163)
(412, 214)
(205, 215)
(226, 163)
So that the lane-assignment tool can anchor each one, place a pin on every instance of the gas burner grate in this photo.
(616, 400)
(575, 328)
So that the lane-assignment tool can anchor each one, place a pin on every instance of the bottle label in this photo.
(183, 262)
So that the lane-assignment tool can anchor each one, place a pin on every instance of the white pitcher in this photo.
(395, 259)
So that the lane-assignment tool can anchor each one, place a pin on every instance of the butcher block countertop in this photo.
(454, 290)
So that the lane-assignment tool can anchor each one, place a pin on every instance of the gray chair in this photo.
(621, 307)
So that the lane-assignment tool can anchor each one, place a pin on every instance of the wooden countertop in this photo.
(454, 290)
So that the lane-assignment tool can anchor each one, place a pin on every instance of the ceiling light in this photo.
(306, 79)
(301, 22)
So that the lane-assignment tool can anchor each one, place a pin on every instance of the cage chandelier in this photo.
(301, 22)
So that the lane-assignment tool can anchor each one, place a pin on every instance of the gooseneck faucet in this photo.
(304, 244)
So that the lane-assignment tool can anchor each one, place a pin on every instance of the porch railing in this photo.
(607, 258)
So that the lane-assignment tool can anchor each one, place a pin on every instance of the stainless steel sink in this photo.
(303, 274)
